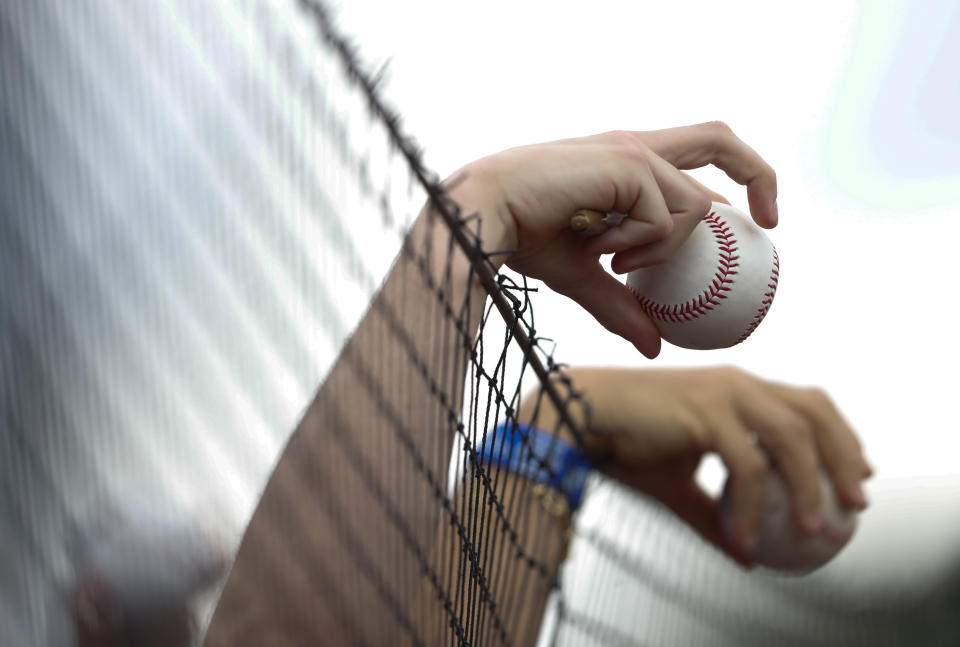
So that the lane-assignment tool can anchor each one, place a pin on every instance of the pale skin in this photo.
(658, 424)
(533, 188)
(525, 198)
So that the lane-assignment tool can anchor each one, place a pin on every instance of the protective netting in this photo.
(208, 213)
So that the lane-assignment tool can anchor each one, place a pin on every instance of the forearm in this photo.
(523, 543)
(353, 498)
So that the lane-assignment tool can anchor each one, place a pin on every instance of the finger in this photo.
(616, 309)
(714, 196)
(648, 218)
(656, 252)
(643, 256)
(748, 468)
(688, 203)
(637, 257)
(788, 438)
(684, 197)
(840, 449)
(702, 512)
(628, 234)
(690, 147)
(672, 483)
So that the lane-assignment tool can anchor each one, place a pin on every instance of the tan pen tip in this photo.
(588, 221)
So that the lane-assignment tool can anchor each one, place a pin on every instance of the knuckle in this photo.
(623, 138)
(720, 128)
(633, 154)
(756, 467)
(728, 373)
(481, 171)
(798, 430)
(638, 155)
(663, 230)
(701, 437)
(853, 453)
(768, 177)
(701, 205)
(818, 397)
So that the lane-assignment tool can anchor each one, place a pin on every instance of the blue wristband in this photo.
(538, 456)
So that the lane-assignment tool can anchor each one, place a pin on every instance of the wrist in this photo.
(589, 383)
(599, 388)
(445, 265)
(476, 189)
(541, 457)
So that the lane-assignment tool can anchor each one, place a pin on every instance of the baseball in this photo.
(781, 545)
(717, 288)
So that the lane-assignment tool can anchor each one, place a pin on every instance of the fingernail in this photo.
(776, 212)
(748, 543)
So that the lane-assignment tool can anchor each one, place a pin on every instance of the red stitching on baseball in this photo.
(767, 298)
(727, 266)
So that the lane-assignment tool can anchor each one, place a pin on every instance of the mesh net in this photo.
(207, 212)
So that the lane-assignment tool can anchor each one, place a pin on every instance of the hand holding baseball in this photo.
(655, 426)
(532, 192)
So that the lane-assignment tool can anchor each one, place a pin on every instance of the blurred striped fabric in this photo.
(177, 268)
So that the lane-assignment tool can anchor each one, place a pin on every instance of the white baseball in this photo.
(717, 288)
(781, 545)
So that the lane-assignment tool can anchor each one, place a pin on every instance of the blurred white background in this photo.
(854, 104)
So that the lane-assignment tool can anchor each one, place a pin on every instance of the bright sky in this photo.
(856, 108)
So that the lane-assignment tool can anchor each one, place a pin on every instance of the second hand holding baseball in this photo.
(781, 545)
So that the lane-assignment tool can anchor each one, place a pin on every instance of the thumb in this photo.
(672, 483)
(697, 508)
(616, 308)
(692, 504)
